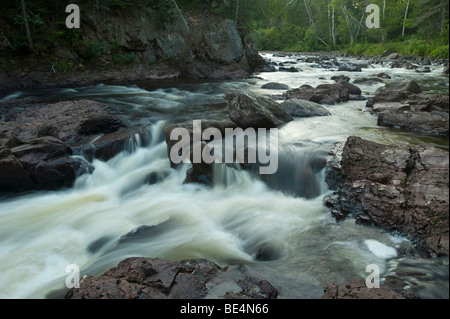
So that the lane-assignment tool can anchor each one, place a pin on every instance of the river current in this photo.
(43, 232)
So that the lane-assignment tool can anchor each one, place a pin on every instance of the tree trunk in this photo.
(237, 10)
(443, 15)
(347, 18)
(333, 26)
(404, 21)
(181, 14)
(27, 26)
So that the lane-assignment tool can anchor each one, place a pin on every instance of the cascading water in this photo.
(137, 205)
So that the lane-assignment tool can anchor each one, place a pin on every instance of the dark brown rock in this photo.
(201, 172)
(137, 278)
(396, 188)
(105, 147)
(357, 289)
(304, 108)
(402, 105)
(247, 110)
(69, 121)
(37, 139)
(323, 94)
(415, 121)
(352, 89)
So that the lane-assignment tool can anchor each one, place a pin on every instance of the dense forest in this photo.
(412, 27)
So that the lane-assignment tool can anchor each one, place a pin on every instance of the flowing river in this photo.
(43, 232)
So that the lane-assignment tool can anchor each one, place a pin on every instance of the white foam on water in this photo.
(381, 250)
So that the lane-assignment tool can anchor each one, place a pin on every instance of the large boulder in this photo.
(68, 121)
(105, 147)
(395, 92)
(42, 163)
(147, 278)
(397, 188)
(304, 108)
(275, 86)
(38, 142)
(415, 121)
(323, 94)
(248, 110)
(403, 105)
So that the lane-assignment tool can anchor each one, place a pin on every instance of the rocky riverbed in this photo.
(401, 189)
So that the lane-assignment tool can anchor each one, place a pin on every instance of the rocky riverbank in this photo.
(146, 278)
(401, 189)
(39, 143)
(395, 187)
(207, 46)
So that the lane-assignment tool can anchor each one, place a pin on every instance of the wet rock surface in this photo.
(304, 108)
(248, 110)
(403, 105)
(357, 289)
(39, 143)
(326, 93)
(400, 189)
(147, 278)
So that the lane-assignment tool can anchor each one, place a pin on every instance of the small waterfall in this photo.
(300, 172)
(227, 175)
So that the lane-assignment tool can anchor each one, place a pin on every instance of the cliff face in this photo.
(133, 45)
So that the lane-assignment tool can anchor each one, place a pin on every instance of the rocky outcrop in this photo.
(105, 146)
(304, 108)
(247, 110)
(323, 94)
(397, 188)
(357, 289)
(41, 163)
(403, 105)
(69, 121)
(159, 42)
(146, 278)
(38, 143)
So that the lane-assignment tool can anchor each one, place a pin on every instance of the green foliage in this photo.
(426, 27)
(124, 58)
(90, 49)
(114, 4)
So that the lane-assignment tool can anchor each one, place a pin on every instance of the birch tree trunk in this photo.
(181, 14)
(404, 21)
(347, 18)
(333, 26)
(27, 26)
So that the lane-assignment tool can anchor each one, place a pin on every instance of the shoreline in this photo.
(136, 72)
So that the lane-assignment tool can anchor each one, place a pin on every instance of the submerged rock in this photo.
(147, 278)
(304, 108)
